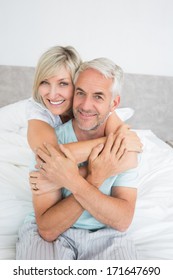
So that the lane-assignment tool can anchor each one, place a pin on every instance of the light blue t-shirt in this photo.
(129, 178)
(66, 134)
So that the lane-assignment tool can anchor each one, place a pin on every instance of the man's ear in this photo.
(115, 103)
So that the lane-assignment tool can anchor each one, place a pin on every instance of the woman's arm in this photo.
(114, 123)
(40, 132)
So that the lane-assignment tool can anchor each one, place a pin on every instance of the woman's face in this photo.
(57, 92)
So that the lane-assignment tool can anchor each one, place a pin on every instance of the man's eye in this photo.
(98, 97)
(79, 93)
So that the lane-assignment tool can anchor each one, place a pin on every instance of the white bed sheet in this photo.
(152, 226)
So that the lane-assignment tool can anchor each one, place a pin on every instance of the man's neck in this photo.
(83, 135)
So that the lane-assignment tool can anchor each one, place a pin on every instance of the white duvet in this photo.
(152, 226)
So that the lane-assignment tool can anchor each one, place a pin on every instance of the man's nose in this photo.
(87, 103)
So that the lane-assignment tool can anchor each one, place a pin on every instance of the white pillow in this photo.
(124, 113)
(13, 116)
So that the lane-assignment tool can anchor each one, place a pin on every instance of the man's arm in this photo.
(115, 211)
(102, 207)
(54, 216)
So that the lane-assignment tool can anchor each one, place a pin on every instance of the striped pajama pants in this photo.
(74, 244)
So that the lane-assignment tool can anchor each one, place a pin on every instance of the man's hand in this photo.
(109, 160)
(128, 139)
(40, 184)
(59, 167)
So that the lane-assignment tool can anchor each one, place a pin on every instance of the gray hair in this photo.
(51, 61)
(108, 69)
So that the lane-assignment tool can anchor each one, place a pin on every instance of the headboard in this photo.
(151, 97)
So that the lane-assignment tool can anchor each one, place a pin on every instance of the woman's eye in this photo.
(63, 84)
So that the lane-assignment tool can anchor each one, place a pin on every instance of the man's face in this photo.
(92, 101)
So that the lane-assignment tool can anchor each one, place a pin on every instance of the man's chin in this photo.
(85, 127)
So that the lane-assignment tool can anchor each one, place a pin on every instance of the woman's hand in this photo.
(59, 167)
(40, 184)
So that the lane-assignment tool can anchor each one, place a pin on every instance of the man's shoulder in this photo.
(65, 126)
(65, 133)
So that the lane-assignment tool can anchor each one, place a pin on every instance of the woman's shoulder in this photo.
(35, 110)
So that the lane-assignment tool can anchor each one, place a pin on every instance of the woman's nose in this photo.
(53, 92)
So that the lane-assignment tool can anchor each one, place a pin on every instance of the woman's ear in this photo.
(115, 103)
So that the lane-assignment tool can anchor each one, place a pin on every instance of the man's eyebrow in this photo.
(97, 92)
(78, 88)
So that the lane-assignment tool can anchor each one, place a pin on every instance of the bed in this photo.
(150, 114)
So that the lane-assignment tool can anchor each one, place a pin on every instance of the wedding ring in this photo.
(41, 165)
(35, 188)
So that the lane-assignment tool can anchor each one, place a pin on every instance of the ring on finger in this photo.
(35, 188)
(41, 165)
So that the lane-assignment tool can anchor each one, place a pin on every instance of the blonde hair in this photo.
(52, 60)
(108, 69)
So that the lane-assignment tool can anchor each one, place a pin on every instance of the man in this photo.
(85, 218)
